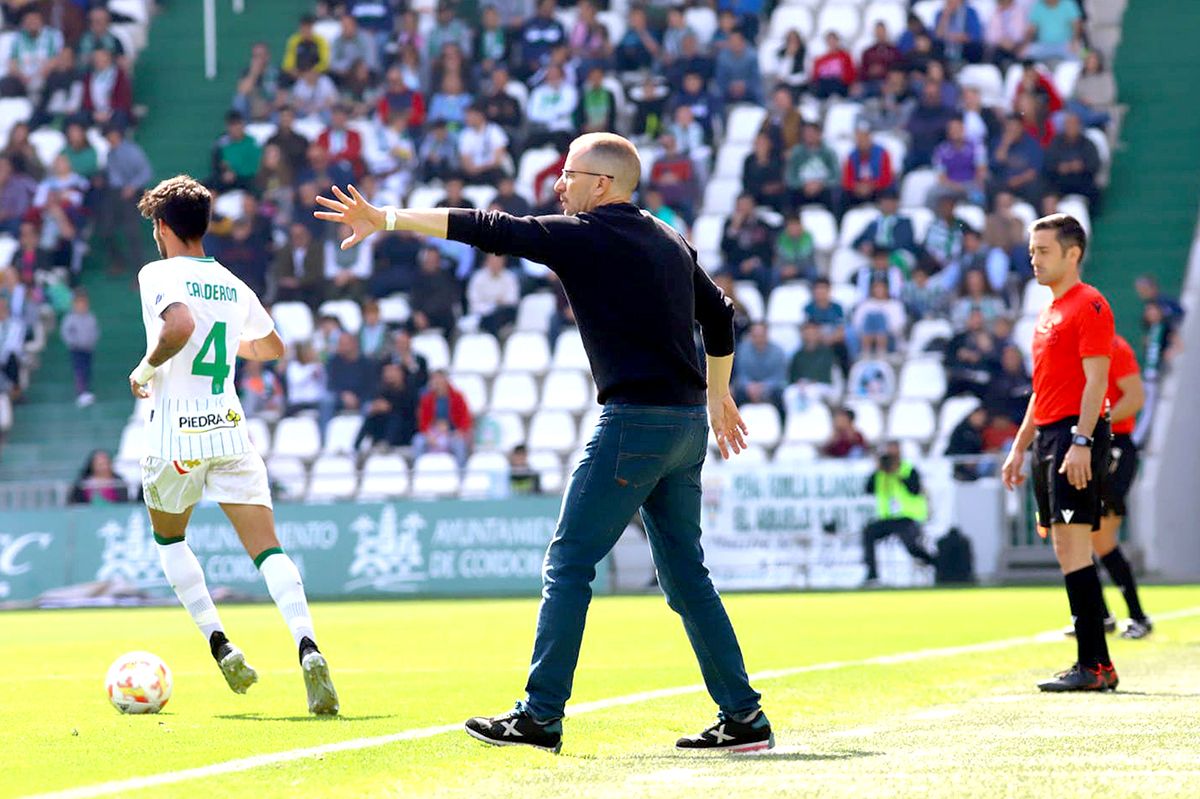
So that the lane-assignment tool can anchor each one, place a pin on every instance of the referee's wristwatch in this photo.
(1078, 439)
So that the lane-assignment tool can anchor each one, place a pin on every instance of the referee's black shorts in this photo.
(1059, 502)
(1122, 469)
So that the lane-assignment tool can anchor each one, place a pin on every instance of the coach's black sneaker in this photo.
(322, 696)
(234, 668)
(1137, 629)
(1110, 627)
(1092, 678)
(517, 728)
(749, 734)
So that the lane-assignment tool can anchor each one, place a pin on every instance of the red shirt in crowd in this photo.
(1124, 363)
(460, 414)
(837, 65)
(1077, 325)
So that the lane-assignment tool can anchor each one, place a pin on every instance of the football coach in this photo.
(637, 291)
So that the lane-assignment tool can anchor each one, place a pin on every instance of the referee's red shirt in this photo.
(1124, 363)
(1077, 325)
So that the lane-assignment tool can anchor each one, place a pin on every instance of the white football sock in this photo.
(287, 589)
(187, 579)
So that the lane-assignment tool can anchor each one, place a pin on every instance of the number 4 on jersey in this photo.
(218, 368)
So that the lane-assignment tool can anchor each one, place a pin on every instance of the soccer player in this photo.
(637, 292)
(1072, 347)
(199, 318)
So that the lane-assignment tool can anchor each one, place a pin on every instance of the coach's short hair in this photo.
(182, 203)
(1067, 231)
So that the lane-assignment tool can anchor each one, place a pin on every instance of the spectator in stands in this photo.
(830, 318)
(737, 72)
(651, 109)
(833, 73)
(1148, 291)
(1072, 163)
(107, 91)
(298, 269)
(977, 297)
(306, 50)
(314, 94)
(449, 103)
(34, 49)
(343, 145)
(306, 380)
(539, 35)
(127, 172)
(924, 297)
(761, 371)
(901, 509)
(292, 144)
(393, 156)
(22, 153)
(961, 167)
(890, 230)
(762, 174)
(246, 252)
(966, 444)
(944, 238)
(435, 295)
(80, 332)
(784, 126)
(746, 245)
(98, 484)
(351, 381)
(443, 420)
(449, 30)
(974, 258)
(275, 185)
(12, 345)
(789, 68)
(689, 135)
(373, 334)
(971, 359)
(482, 148)
(867, 171)
(390, 418)
(653, 203)
(926, 127)
(795, 254)
(492, 295)
(1095, 92)
(980, 124)
(846, 441)
(1055, 31)
(879, 321)
(522, 478)
(1035, 119)
(741, 316)
(705, 106)
(812, 170)
(351, 47)
(913, 27)
(810, 373)
(58, 206)
(235, 156)
(80, 153)
(16, 196)
(502, 108)
(1006, 32)
(597, 111)
(1010, 388)
(638, 48)
(259, 390)
(959, 31)
(99, 36)
(61, 98)
(892, 105)
(327, 335)
(438, 154)
(880, 269)
(491, 44)
(259, 85)
(1016, 163)
(551, 111)
(877, 61)
(507, 199)
(416, 368)
(399, 97)
(924, 53)
(1005, 235)
(346, 272)
(674, 177)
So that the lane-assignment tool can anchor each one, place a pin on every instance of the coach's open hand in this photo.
(1012, 473)
(727, 425)
(351, 210)
(1077, 466)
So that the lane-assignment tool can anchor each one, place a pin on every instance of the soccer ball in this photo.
(138, 682)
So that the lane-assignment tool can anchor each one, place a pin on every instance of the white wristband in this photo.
(389, 217)
(142, 372)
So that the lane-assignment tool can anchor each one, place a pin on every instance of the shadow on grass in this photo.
(1162, 694)
(262, 717)
(733, 757)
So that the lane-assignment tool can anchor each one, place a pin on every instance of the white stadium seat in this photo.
(569, 352)
(533, 162)
(988, 80)
(972, 215)
(535, 312)
(868, 418)
(348, 312)
(526, 352)
(786, 304)
(293, 320)
(476, 352)
(921, 218)
(485, 475)
(333, 477)
(892, 15)
(567, 390)
(480, 196)
(499, 430)
(474, 389)
(340, 434)
(1076, 206)
(854, 222)
(786, 337)
(752, 455)
(133, 442)
(289, 475)
(841, 17)
(515, 392)
(394, 309)
(549, 467)
(433, 348)
(923, 379)
(822, 225)
(297, 437)
(425, 197)
(751, 299)
(1036, 298)
(49, 143)
(787, 18)
(762, 424)
(703, 21)
(261, 132)
(1066, 75)
(911, 419)
(720, 195)
(896, 146)
(953, 411)
(587, 427)
(795, 453)
(260, 436)
(926, 331)
(845, 264)
(838, 130)
(730, 160)
(873, 379)
(915, 188)
(1022, 337)
(812, 425)
(744, 122)
(435, 474)
(552, 430)
(707, 232)
(928, 10)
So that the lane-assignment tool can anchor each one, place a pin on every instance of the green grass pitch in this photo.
(947, 725)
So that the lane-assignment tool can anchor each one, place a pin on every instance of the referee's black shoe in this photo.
(1077, 678)
(517, 728)
(749, 734)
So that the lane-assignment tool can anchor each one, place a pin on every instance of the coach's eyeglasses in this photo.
(566, 173)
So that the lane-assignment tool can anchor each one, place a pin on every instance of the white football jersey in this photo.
(196, 412)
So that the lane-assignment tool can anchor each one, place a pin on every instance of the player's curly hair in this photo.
(184, 205)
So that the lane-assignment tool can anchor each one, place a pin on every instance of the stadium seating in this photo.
(333, 477)
(526, 352)
(435, 474)
(340, 434)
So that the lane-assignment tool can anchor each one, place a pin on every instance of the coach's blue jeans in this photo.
(646, 457)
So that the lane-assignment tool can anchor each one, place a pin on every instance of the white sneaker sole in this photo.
(322, 697)
(237, 672)
(478, 736)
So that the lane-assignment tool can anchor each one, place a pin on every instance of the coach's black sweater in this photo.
(635, 287)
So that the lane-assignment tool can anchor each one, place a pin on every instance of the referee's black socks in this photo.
(1118, 568)
(1087, 606)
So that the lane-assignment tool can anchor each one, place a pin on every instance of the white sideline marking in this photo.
(353, 744)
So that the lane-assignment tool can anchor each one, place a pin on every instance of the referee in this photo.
(637, 292)
(1072, 347)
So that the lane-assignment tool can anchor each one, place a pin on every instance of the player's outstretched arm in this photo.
(178, 325)
(268, 348)
(364, 220)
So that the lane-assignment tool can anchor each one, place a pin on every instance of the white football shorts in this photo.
(175, 486)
